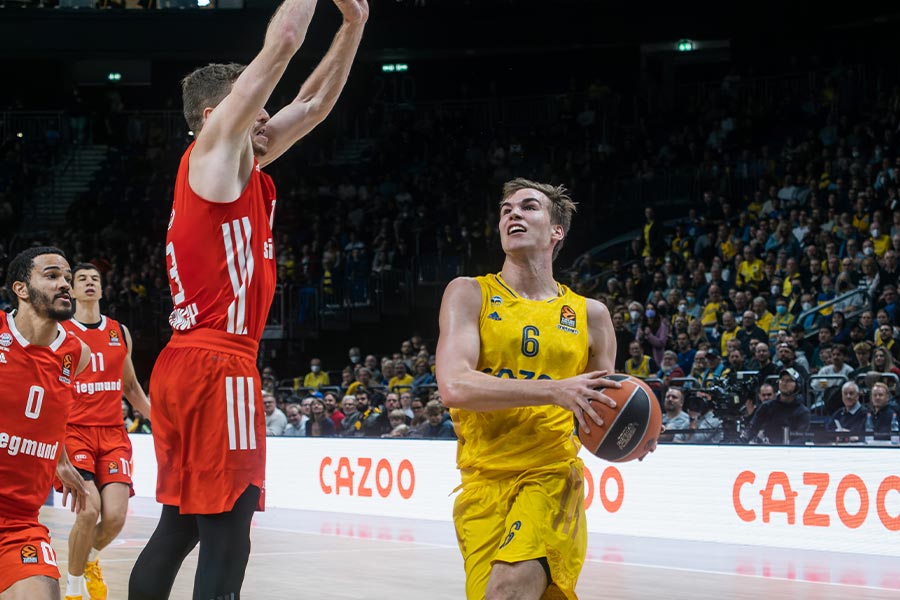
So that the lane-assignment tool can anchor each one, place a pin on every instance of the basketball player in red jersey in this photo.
(96, 441)
(38, 363)
(208, 420)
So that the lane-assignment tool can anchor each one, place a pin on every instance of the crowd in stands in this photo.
(796, 207)
(395, 396)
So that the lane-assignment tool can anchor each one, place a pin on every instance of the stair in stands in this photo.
(71, 177)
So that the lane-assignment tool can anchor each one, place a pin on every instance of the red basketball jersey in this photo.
(98, 389)
(220, 257)
(35, 400)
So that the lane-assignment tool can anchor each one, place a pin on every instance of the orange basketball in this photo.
(630, 429)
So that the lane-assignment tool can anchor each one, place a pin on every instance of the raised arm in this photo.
(321, 90)
(131, 387)
(223, 156)
(463, 386)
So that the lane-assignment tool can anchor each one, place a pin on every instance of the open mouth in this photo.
(515, 229)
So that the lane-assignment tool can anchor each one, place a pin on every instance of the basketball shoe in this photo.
(93, 580)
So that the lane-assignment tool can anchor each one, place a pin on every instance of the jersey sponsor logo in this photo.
(6, 339)
(494, 316)
(512, 533)
(496, 300)
(237, 236)
(240, 401)
(92, 387)
(16, 445)
(29, 554)
(2, 359)
(112, 467)
(80, 457)
(184, 318)
(114, 339)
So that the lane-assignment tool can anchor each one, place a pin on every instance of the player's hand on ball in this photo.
(576, 394)
(354, 11)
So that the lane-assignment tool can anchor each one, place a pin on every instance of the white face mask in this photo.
(868, 251)
(315, 368)
(682, 308)
(807, 305)
(635, 315)
(775, 290)
(875, 233)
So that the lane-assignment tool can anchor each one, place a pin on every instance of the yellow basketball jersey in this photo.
(523, 339)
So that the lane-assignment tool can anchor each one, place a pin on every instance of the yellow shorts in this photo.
(539, 513)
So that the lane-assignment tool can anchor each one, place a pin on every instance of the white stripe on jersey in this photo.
(237, 237)
(240, 397)
(242, 413)
(229, 410)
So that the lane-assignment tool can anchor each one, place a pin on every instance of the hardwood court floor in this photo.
(302, 554)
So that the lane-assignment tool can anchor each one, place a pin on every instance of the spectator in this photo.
(401, 380)
(850, 418)
(366, 421)
(331, 409)
(883, 412)
(438, 427)
(139, 424)
(276, 420)
(705, 427)
(749, 332)
(654, 335)
(623, 339)
(423, 377)
(638, 363)
(319, 424)
(786, 413)
(296, 422)
(316, 378)
(674, 418)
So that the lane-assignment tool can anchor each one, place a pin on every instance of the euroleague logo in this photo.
(29, 554)
(114, 339)
(112, 467)
(568, 319)
(67, 361)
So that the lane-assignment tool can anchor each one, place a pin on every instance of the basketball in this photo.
(630, 429)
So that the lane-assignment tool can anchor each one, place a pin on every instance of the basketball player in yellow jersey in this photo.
(518, 354)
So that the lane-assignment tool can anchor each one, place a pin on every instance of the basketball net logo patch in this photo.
(29, 554)
(512, 533)
(568, 319)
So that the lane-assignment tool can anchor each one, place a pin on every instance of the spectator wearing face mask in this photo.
(781, 321)
(654, 335)
(316, 378)
(880, 240)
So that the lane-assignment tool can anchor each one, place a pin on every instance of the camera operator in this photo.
(705, 427)
(674, 418)
(786, 410)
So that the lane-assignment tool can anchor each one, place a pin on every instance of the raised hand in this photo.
(354, 11)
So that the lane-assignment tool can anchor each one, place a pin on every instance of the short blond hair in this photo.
(561, 205)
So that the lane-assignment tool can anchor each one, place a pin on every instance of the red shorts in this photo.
(103, 451)
(209, 428)
(25, 551)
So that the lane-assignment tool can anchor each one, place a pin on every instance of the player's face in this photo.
(50, 286)
(525, 223)
(86, 286)
(258, 134)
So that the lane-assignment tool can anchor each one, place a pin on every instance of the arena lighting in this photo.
(114, 76)
(20, 135)
(685, 45)
(203, 3)
(394, 67)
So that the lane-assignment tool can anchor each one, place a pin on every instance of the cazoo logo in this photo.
(361, 478)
